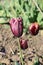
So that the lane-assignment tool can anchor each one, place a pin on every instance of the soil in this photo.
(9, 51)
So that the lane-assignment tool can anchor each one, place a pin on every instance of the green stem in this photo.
(21, 57)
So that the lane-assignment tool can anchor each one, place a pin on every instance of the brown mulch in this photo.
(9, 51)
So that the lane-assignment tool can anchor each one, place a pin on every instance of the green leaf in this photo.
(40, 20)
(6, 4)
(40, 2)
(3, 21)
(41, 24)
(12, 2)
(0, 63)
(1, 7)
(40, 16)
(16, 63)
(36, 61)
(1, 12)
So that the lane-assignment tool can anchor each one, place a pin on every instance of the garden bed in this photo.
(21, 26)
(8, 42)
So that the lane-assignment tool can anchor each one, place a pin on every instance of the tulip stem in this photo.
(21, 57)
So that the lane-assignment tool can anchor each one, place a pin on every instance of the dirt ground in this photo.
(8, 43)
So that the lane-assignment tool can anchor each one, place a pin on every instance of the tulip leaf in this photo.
(0, 63)
(36, 61)
(16, 63)
(40, 20)
(1, 12)
(2, 21)
(1, 7)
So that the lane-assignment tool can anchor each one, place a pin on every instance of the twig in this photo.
(11, 50)
(37, 7)
(1, 53)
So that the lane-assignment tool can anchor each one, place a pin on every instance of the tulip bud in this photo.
(23, 43)
(34, 28)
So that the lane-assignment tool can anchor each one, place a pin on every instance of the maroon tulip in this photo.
(34, 28)
(23, 43)
(16, 25)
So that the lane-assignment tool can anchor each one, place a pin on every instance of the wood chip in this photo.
(6, 61)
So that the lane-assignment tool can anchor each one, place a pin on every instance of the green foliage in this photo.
(16, 63)
(0, 63)
(40, 3)
(36, 61)
(40, 20)
(3, 20)
(24, 8)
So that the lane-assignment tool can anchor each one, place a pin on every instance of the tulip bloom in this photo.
(16, 25)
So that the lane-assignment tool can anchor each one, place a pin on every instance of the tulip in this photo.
(23, 43)
(34, 28)
(16, 25)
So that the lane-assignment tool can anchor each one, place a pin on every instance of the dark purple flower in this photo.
(23, 43)
(16, 25)
(34, 28)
